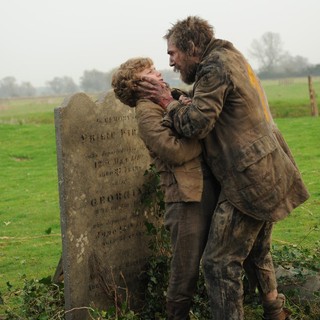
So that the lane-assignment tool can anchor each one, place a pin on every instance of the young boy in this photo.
(190, 190)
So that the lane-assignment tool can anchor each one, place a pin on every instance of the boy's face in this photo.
(152, 73)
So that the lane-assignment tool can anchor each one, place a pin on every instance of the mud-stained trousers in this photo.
(189, 224)
(233, 238)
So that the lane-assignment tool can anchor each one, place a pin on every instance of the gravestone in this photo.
(101, 166)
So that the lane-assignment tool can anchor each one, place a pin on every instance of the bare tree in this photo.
(26, 89)
(94, 81)
(62, 85)
(268, 51)
(8, 87)
(294, 65)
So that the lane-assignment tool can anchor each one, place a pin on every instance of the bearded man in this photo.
(260, 182)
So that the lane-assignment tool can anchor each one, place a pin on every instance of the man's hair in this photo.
(124, 79)
(192, 29)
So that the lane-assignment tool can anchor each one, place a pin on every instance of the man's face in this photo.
(182, 62)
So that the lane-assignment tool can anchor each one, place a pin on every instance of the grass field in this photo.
(302, 226)
(290, 97)
(30, 236)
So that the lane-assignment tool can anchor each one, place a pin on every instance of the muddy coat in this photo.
(241, 143)
(177, 159)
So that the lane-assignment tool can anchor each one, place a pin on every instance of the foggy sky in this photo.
(43, 39)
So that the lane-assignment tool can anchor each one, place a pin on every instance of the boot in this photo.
(274, 310)
(178, 310)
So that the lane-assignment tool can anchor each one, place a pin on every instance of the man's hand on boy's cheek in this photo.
(156, 91)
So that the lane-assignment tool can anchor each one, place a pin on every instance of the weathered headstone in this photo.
(101, 165)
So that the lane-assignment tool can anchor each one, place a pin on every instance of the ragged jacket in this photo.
(241, 143)
(178, 160)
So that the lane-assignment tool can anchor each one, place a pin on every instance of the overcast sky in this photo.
(43, 39)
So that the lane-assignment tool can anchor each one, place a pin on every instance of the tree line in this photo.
(276, 63)
(268, 51)
(91, 81)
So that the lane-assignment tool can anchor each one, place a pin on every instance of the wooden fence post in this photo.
(313, 100)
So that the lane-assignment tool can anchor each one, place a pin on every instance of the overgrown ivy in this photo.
(38, 299)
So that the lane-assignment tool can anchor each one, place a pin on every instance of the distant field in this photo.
(30, 239)
(29, 110)
(287, 98)
(290, 97)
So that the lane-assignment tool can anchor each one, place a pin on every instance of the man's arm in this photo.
(197, 118)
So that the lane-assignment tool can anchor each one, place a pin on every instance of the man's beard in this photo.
(188, 73)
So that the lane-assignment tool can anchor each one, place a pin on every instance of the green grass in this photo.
(29, 202)
(30, 236)
(290, 97)
(29, 206)
(302, 227)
